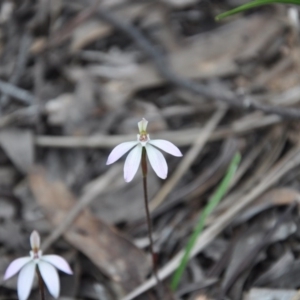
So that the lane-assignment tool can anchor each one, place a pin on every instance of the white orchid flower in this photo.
(133, 160)
(46, 265)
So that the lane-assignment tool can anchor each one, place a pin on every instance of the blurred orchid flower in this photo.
(133, 160)
(46, 266)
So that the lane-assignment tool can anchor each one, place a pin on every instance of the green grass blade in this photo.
(212, 203)
(254, 4)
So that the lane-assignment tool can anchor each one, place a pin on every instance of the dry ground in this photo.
(75, 78)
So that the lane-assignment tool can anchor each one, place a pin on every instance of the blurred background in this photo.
(75, 78)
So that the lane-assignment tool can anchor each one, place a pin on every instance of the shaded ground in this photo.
(77, 76)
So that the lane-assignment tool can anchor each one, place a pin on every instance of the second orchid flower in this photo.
(46, 265)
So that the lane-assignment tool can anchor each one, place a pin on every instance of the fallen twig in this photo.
(179, 137)
(23, 96)
(18, 71)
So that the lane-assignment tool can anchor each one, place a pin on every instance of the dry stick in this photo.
(188, 159)
(162, 66)
(289, 162)
(107, 178)
(19, 70)
(22, 95)
(179, 137)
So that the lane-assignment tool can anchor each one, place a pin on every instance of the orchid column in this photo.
(142, 148)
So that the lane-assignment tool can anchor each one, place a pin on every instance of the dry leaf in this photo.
(18, 146)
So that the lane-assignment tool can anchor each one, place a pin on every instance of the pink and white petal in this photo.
(15, 266)
(119, 151)
(166, 146)
(132, 163)
(157, 161)
(58, 262)
(25, 280)
(35, 240)
(50, 277)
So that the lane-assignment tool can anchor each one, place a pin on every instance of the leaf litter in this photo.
(76, 77)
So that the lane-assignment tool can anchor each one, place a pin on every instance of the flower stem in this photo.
(155, 273)
(41, 285)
